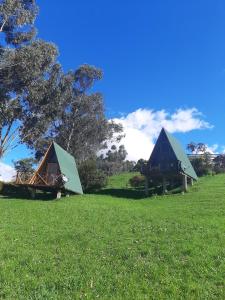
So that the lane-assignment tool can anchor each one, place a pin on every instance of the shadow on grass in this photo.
(26, 196)
(39, 197)
(134, 194)
(122, 193)
(12, 192)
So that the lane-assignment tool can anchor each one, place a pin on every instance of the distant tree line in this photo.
(204, 162)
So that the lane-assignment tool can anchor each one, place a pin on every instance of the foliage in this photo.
(91, 177)
(24, 165)
(139, 165)
(1, 186)
(202, 162)
(219, 164)
(203, 165)
(28, 77)
(114, 161)
(98, 246)
(12, 190)
(39, 103)
(137, 181)
(82, 127)
(16, 20)
(197, 147)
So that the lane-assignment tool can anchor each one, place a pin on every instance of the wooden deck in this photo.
(42, 182)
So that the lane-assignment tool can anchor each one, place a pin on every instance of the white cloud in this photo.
(6, 172)
(142, 127)
(212, 149)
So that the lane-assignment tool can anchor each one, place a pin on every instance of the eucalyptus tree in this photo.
(84, 128)
(38, 102)
(197, 148)
(80, 126)
(114, 161)
(29, 76)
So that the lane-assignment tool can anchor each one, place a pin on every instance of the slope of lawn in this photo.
(120, 181)
(110, 247)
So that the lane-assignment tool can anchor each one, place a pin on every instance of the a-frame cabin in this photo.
(57, 171)
(168, 160)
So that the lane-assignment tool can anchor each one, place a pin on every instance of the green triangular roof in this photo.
(173, 151)
(68, 167)
(186, 165)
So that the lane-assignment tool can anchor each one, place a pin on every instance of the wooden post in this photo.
(59, 194)
(185, 186)
(17, 177)
(146, 186)
(192, 182)
(164, 185)
(172, 182)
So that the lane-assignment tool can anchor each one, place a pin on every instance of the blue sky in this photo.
(156, 55)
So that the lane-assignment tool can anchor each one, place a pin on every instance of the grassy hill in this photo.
(115, 246)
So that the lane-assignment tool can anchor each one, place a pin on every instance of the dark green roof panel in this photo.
(172, 153)
(68, 167)
(186, 165)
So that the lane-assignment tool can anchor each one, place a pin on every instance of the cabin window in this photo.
(52, 173)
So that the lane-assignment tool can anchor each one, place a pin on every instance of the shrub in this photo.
(137, 181)
(10, 189)
(91, 177)
(219, 170)
(219, 164)
(1, 186)
(141, 163)
(202, 166)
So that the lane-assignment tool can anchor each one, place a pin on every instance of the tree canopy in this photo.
(27, 66)
(39, 102)
(196, 148)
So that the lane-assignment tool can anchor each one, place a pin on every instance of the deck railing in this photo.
(23, 177)
(44, 179)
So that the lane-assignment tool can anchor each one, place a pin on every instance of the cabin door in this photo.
(52, 173)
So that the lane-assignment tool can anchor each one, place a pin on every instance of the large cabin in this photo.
(168, 160)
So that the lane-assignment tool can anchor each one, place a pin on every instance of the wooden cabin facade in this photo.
(57, 171)
(48, 173)
(168, 161)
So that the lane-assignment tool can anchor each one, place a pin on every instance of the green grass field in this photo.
(115, 246)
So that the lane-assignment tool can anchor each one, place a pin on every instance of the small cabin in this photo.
(57, 171)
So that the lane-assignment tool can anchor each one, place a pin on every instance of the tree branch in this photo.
(3, 24)
(6, 134)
